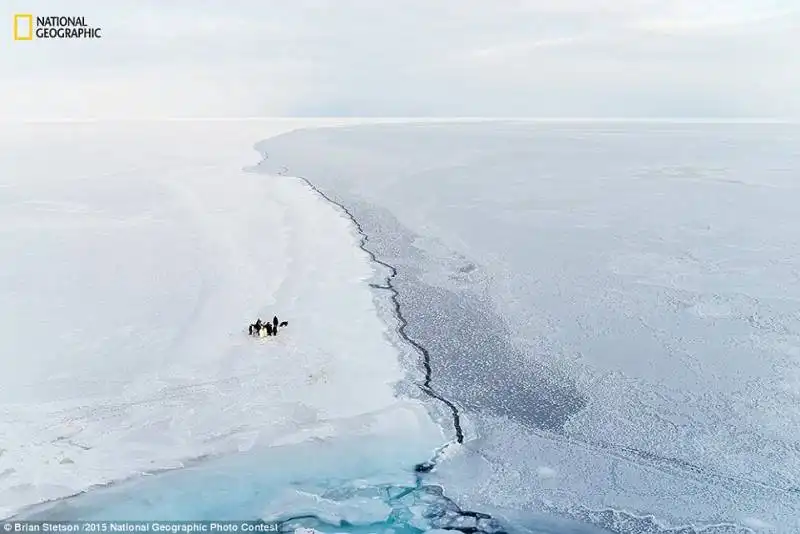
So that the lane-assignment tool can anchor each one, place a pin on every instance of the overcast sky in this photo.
(507, 58)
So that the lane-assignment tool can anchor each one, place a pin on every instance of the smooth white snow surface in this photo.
(132, 258)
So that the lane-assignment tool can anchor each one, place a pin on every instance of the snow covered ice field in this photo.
(615, 308)
(134, 255)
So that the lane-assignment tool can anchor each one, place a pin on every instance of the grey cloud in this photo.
(444, 57)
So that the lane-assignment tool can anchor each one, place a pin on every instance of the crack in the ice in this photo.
(426, 386)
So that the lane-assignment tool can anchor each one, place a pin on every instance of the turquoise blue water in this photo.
(347, 484)
(241, 486)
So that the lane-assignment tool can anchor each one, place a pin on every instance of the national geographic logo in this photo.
(27, 27)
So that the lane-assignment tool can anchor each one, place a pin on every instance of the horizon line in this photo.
(673, 120)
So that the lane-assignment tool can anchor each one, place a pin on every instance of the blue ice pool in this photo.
(346, 484)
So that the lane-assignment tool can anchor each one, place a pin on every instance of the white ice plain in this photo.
(132, 258)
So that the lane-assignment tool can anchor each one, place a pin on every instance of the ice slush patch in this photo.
(546, 472)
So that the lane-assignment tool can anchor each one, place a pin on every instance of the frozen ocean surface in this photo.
(610, 311)
(613, 307)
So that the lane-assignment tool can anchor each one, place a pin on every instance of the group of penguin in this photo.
(262, 329)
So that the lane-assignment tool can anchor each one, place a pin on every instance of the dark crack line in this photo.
(426, 386)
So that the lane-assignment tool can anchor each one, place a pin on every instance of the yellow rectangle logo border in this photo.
(18, 19)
